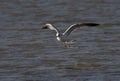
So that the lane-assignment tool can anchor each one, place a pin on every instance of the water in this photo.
(28, 53)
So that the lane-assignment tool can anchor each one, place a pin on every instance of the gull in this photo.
(63, 37)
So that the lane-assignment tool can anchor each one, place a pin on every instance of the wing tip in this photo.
(91, 24)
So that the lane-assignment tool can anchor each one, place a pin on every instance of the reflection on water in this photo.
(28, 53)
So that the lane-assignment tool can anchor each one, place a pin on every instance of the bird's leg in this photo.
(65, 44)
(68, 45)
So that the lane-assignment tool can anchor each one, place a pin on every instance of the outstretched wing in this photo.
(51, 27)
(74, 26)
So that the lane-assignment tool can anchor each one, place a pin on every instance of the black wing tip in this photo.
(91, 24)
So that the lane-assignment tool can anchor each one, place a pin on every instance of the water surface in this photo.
(28, 53)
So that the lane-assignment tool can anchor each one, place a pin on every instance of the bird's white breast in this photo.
(58, 38)
(62, 39)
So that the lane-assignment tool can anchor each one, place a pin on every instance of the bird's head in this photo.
(46, 26)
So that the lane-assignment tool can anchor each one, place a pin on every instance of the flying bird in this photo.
(63, 37)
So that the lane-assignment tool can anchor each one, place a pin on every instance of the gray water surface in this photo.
(28, 53)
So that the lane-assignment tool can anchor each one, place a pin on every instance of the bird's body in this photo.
(63, 37)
